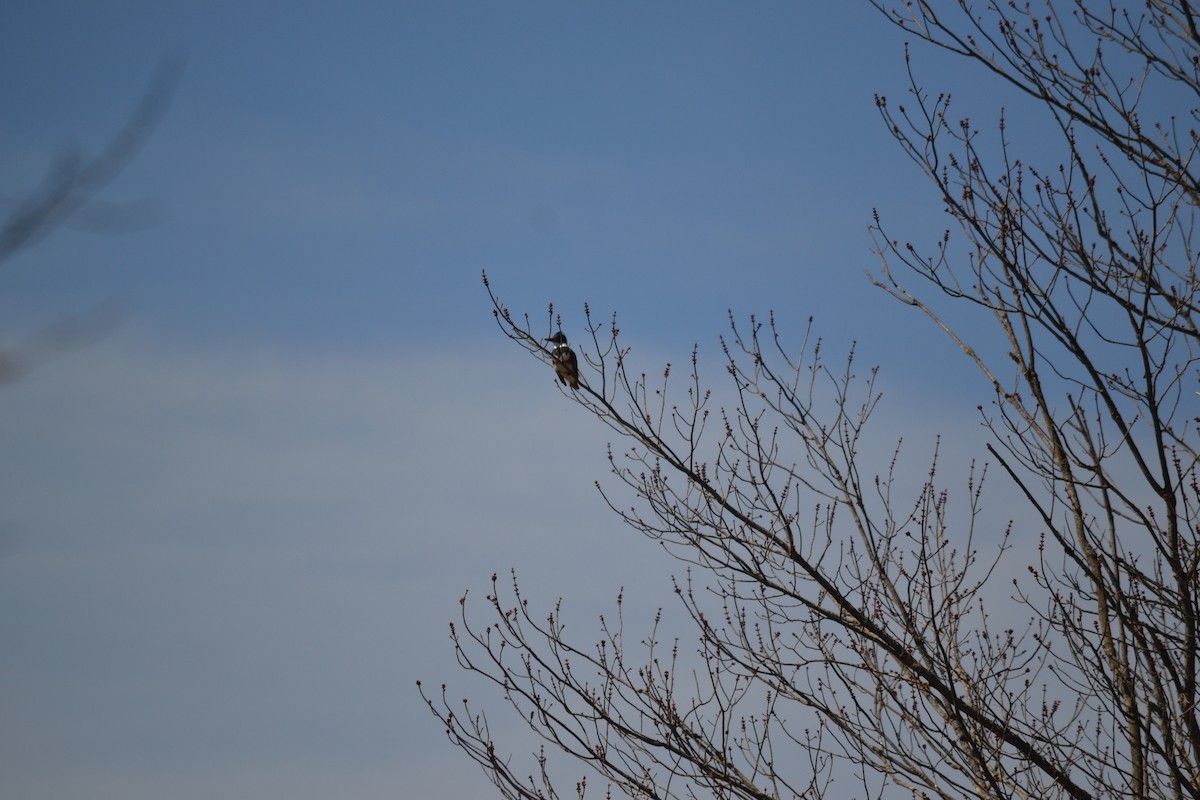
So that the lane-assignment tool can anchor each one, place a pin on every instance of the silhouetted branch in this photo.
(842, 643)
(73, 181)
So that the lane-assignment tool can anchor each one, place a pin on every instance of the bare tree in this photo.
(845, 630)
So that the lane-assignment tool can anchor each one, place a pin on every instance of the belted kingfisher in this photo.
(563, 358)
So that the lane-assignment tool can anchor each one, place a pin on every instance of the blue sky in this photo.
(232, 530)
(344, 175)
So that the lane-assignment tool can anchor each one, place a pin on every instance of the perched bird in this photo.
(563, 358)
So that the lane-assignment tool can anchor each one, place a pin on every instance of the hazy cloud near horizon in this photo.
(211, 555)
(208, 554)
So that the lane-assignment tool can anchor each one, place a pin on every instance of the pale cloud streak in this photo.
(234, 565)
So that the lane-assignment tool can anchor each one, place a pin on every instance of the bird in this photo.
(563, 358)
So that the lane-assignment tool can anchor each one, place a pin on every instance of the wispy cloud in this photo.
(228, 563)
